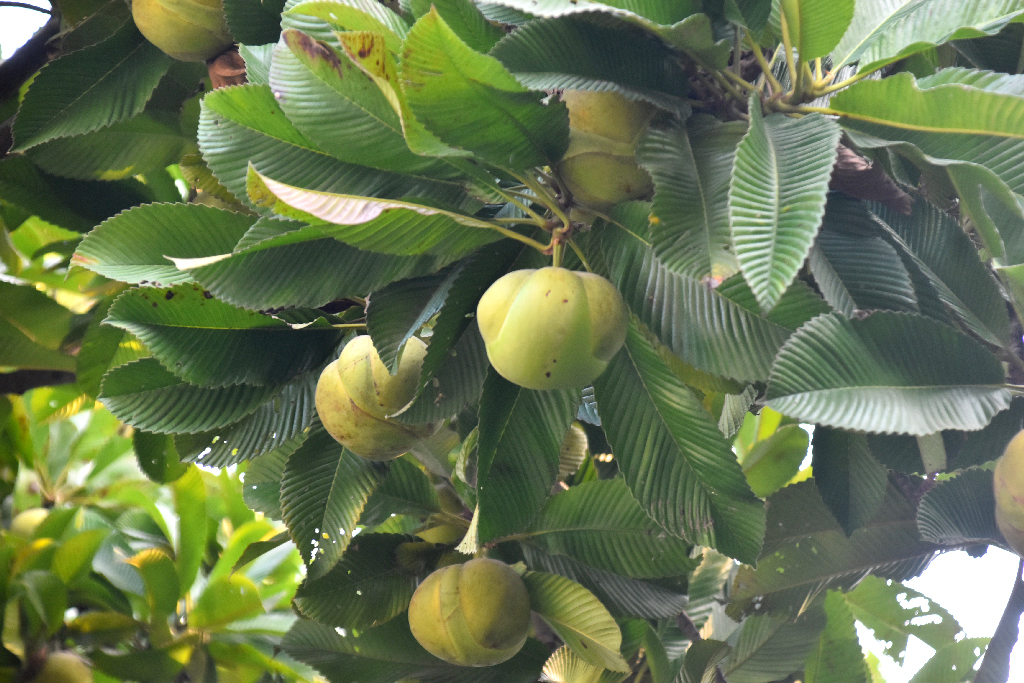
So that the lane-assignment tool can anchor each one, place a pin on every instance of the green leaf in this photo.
(882, 33)
(46, 598)
(601, 524)
(774, 461)
(768, 647)
(948, 123)
(854, 267)
(356, 15)
(895, 612)
(73, 559)
(806, 551)
(406, 490)
(576, 52)
(399, 227)
(521, 432)
(578, 618)
(471, 101)
(225, 599)
(369, 584)
(237, 346)
(898, 373)
(465, 19)
(702, 660)
(270, 426)
(701, 325)
(32, 329)
(161, 581)
(565, 666)
(147, 396)
(190, 501)
(691, 165)
(947, 260)
(837, 658)
(959, 511)
(669, 449)
(323, 491)
(301, 268)
(777, 196)
(142, 144)
(950, 661)
(91, 88)
(388, 653)
(157, 456)
(815, 27)
(851, 482)
(621, 595)
(262, 488)
(330, 100)
(133, 246)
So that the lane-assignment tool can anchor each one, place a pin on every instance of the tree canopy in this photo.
(813, 213)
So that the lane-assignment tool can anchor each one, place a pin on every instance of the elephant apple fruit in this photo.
(356, 394)
(551, 328)
(573, 451)
(1008, 480)
(64, 667)
(472, 614)
(187, 30)
(599, 168)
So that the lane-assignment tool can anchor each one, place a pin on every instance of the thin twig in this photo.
(995, 667)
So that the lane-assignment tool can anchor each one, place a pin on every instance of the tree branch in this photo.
(23, 5)
(20, 381)
(995, 667)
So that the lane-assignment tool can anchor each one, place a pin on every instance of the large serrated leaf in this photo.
(254, 22)
(578, 618)
(622, 596)
(405, 490)
(777, 197)
(806, 552)
(882, 32)
(521, 432)
(262, 480)
(960, 511)
(270, 426)
(32, 329)
(706, 329)
(367, 586)
(837, 657)
(692, 165)
(855, 269)
(767, 647)
(146, 395)
(675, 460)
(816, 26)
(133, 246)
(323, 491)
(571, 52)
(565, 666)
(470, 101)
(945, 257)
(91, 88)
(338, 107)
(601, 524)
(399, 227)
(210, 343)
(850, 481)
(888, 372)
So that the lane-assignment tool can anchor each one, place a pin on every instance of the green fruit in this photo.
(551, 328)
(573, 451)
(356, 394)
(599, 168)
(1008, 480)
(472, 614)
(26, 522)
(189, 30)
(64, 667)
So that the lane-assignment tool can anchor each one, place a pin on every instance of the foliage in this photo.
(835, 238)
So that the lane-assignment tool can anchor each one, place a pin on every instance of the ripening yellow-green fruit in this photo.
(188, 30)
(1008, 480)
(64, 667)
(573, 451)
(599, 168)
(472, 614)
(551, 328)
(355, 395)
